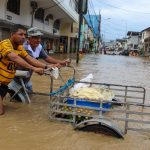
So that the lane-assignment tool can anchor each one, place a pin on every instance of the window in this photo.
(14, 6)
(56, 24)
(135, 46)
(39, 14)
(47, 18)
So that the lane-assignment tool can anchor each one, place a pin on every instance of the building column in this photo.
(68, 50)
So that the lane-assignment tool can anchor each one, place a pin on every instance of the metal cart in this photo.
(127, 111)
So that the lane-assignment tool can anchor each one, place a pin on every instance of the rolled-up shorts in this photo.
(3, 90)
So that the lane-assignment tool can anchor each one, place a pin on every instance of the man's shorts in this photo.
(3, 90)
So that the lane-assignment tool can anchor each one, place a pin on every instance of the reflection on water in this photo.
(27, 126)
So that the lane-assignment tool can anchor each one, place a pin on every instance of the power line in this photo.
(115, 27)
(95, 17)
(147, 13)
(112, 34)
(92, 6)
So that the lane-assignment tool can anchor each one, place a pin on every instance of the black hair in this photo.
(16, 27)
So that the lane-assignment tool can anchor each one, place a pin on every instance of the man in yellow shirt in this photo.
(13, 54)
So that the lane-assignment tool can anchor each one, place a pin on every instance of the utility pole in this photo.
(99, 31)
(82, 9)
(79, 36)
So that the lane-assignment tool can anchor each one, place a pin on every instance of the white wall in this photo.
(25, 14)
(65, 5)
(65, 29)
(133, 40)
(2, 9)
(145, 35)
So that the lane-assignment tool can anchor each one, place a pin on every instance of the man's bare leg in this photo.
(1, 106)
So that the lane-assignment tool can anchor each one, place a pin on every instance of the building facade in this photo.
(52, 17)
(133, 40)
(146, 41)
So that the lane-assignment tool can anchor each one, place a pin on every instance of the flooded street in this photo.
(27, 126)
(118, 70)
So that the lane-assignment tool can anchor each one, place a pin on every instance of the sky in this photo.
(120, 16)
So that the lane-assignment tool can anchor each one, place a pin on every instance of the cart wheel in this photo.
(100, 126)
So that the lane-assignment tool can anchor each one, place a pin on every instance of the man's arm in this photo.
(35, 62)
(50, 59)
(18, 60)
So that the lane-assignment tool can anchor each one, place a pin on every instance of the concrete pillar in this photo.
(68, 50)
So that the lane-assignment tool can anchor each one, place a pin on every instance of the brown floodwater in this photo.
(27, 126)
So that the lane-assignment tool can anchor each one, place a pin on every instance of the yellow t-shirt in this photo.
(8, 67)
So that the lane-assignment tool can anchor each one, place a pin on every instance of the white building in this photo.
(121, 44)
(133, 40)
(146, 40)
(53, 17)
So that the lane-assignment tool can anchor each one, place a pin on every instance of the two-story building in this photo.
(146, 40)
(133, 40)
(53, 17)
(121, 44)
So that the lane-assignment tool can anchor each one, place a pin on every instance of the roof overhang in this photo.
(133, 33)
(58, 10)
(48, 35)
(147, 29)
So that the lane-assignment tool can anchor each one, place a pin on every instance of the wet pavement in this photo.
(27, 126)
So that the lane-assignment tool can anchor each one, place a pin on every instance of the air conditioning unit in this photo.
(34, 4)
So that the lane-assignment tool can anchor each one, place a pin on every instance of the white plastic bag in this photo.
(88, 78)
(55, 72)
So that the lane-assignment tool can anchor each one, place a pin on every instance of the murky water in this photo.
(27, 126)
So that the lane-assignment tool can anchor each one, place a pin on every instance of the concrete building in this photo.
(54, 17)
(146, 40)
(121, 44)
(133, 40)
(110, 45)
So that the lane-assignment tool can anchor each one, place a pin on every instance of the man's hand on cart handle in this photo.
(66, 62)
(50, 67)
(39, 71)
(54, 71)
(49, 70)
